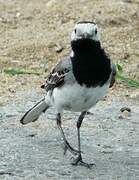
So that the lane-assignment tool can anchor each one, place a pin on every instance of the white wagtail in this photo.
(77, 82)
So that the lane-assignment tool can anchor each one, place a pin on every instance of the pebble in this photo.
(125, 109)
(11, 90)
(58, 48)
(18, 14)
(125, 112)
(31, 135)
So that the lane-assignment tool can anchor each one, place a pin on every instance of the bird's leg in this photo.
(66, 143)
(78, 160)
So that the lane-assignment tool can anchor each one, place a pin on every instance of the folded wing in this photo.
(57, 76)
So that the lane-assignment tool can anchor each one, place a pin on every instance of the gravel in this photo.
(34, 151)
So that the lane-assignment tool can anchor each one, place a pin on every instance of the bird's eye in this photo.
(75, 31)
(96, 31)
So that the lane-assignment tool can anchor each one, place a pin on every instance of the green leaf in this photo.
(120, 76)
(130, 82)
(119, 68)
(14, 71)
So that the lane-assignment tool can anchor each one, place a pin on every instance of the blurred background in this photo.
(36, 34)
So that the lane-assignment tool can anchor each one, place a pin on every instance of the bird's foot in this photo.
(67, 146)
(79, 161)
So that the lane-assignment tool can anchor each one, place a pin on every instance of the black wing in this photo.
(57, 76)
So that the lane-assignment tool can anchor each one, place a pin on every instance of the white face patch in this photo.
(85, 30)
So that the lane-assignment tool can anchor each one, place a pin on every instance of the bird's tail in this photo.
(33, 114)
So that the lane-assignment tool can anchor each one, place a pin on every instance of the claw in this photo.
(79, 161)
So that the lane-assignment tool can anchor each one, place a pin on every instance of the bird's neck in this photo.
(85, 47)
(91, 66)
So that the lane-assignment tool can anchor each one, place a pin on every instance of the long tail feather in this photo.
(33, 114)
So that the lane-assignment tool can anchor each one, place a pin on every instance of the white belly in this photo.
(76, 97)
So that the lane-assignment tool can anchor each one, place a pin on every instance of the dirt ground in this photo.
(31, 32)
(109, 138)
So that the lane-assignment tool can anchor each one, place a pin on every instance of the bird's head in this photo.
(85, 30)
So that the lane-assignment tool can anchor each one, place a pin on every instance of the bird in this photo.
(77, 82)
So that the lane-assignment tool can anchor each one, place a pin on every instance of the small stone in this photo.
(127, 95)
(23, 83)
(126, 114)
(31, 135)
(121, 117)
(58, 48)
(126, 55)
(125, 109)
(11, 90)
(99, 12)
(17, 15)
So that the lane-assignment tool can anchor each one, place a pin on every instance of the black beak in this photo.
(86, 36)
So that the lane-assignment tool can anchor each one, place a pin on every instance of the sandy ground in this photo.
(30, 33)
